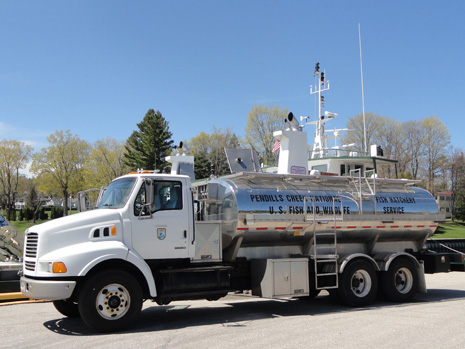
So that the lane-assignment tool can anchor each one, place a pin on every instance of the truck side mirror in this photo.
(148, 204)
(148, 192)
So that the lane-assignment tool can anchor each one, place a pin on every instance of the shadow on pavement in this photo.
(238, 311)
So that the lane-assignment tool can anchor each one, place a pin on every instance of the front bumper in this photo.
(47, 289)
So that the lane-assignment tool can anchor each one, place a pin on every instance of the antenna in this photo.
(363, 95)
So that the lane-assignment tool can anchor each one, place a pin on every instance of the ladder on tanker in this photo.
(324, 256)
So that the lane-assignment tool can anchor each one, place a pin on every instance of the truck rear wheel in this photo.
(400, 282)
(110, 300)
(67, 308)
(358, 284)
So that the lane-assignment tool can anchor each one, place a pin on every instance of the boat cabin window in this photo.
(321, 168)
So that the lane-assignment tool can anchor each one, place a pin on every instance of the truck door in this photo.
(162, 229)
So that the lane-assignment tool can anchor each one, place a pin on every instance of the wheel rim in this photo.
(403, 280)
(361, 283)
(113, 301)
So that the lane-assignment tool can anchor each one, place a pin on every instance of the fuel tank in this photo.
(264, 209)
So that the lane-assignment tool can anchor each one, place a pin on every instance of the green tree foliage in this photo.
(148, 147)
(262, 121)
(60, 167)
(457, 183)
(201, 166)
(33, 202)
(14, 155)
(459, 209)
(208, 150)
(106, 162)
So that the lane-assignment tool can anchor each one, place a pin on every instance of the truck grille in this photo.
(30, 265)
(32, 240)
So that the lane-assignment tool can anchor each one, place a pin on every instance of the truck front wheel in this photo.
(400, 282)
(109, 300)
(358, 284)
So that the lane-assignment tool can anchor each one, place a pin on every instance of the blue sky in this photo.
(96, 67)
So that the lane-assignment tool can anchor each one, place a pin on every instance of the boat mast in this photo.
(320, 145)
(365, 149)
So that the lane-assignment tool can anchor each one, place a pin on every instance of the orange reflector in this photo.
(113, 231)
(59, 267)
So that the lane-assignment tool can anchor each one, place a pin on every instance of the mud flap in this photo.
(421, 278)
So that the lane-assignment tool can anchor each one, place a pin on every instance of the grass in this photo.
(450, 230)
(23, 225)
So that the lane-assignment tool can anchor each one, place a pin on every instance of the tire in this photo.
(67, 308)
(400, 282)
(358, 284)
(110, 300)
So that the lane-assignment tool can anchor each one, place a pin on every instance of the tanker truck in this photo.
(162, 237)
(293, 233)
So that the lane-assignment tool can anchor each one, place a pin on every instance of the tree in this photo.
(14, 155)
(201, 165)
(208, 150)
(459, 211)
(106, 162)
(221, 140)
(392, 140)
(262, 121)
(414, 146)
(373, 123)
(457, 181)
(60, 167)
(148, 147)
(33, 202)
(436, 139)
(382, 131)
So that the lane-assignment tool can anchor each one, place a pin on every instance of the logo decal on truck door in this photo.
(161, 233)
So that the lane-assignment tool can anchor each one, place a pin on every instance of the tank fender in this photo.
(384, 260)
(345, 259)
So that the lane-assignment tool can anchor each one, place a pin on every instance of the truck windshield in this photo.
(117, 193)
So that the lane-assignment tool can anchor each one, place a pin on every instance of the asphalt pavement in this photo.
(432, 320)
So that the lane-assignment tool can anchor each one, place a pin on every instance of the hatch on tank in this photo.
(242, 160)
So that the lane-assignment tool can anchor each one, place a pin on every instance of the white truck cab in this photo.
(131, 226)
